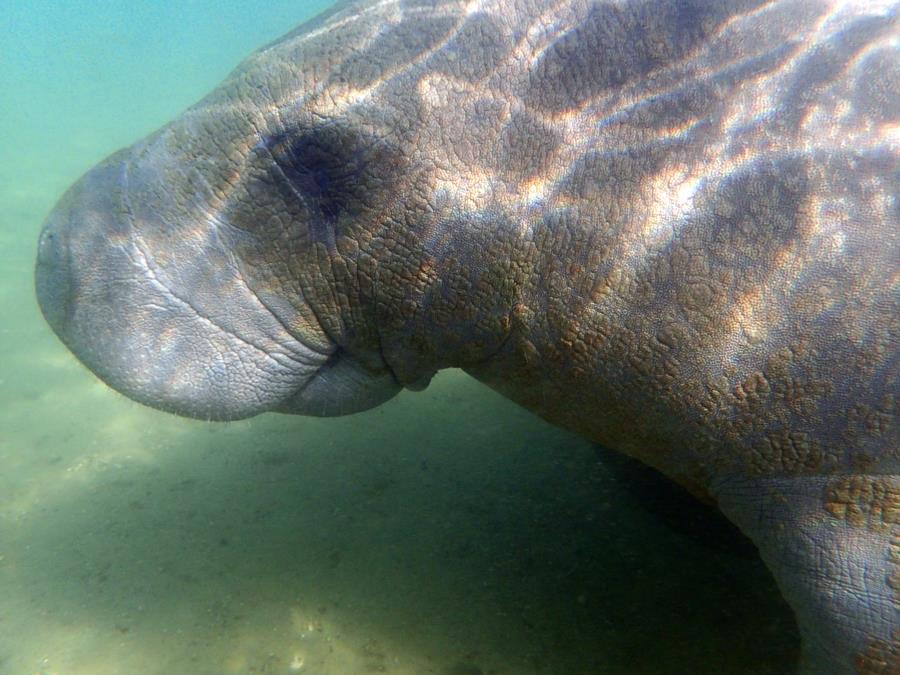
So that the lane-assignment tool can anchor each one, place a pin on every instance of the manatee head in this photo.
(152, 295)
(300, 240)
(170, 297)
(203, 270)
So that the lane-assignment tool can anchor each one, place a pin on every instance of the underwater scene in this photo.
(446, 532)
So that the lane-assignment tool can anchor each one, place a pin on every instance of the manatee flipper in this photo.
(833, 545)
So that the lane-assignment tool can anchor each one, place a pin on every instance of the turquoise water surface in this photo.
(399, 540)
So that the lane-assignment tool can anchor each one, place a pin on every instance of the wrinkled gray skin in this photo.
(669, 225)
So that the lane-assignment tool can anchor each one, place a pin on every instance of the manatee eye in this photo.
(322, 172)
(328, 168)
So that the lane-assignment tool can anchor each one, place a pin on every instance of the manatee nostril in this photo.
(52, 277)
(48, 247)
(73, 255)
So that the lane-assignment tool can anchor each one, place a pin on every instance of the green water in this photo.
(446, 532)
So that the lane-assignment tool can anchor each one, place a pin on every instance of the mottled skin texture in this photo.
(669, 225)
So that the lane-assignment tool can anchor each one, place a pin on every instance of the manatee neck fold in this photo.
(446, 295)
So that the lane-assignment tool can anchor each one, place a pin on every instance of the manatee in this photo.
(668, 225)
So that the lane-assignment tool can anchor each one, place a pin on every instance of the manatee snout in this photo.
(153, 302)
(97, 288)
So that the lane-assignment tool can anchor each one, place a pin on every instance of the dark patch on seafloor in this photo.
(676, 508)
(561, 562)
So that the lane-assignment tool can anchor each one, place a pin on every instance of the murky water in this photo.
(399, 540)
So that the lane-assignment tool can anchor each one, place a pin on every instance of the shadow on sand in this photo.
(447, 533)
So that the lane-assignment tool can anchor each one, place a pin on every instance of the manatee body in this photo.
(669, 225)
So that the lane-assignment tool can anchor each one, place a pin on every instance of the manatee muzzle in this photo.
(161, 311)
